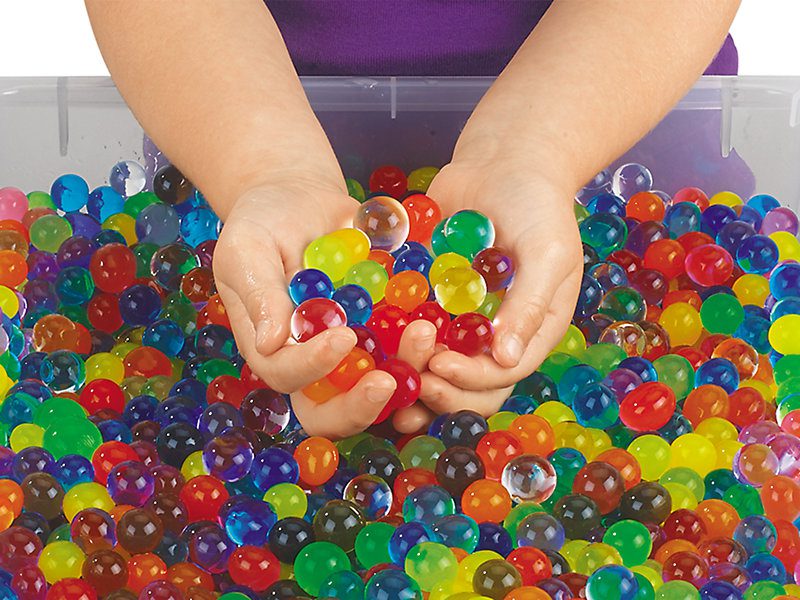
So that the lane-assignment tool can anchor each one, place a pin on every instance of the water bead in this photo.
(314, 316)
(604, 232)
(407, 290)
(460, 290)
(385, 221)
(468, 232)
(369, 275)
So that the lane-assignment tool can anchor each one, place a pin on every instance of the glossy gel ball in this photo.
(468, 232)
(371, 494)
(612, 582)
(392, 584)
(460, 290)
(356, 302)
(604, 232)
(541, 531)
(249, 522)
(385, 221)
(316, 562)
(529, 478)
(310, 283)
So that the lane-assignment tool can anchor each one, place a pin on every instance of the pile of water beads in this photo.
(653, 455)
(400, 262)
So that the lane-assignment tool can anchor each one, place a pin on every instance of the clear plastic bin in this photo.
(728, 133)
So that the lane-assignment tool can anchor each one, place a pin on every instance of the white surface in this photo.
(53, 37)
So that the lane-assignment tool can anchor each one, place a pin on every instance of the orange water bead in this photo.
(54, 332)
(688, 296)
(12, 492)
(624, 462)
(704, 402)
(765, 372)
(780, 496)
(410, 479)
(743, 356)
(317, 458)
(746, 406)
(383, 258)
(147, 362)
(671, 547)
(534, 433)
(351, 369)
(666, 256)
(486, 500)
(527, 592)
(143, 569)
(719, 517)
(13, 268)
(10, 225)
(407, 289)
(119, 510)
(216, 312)
(184, 575)
(645, 206)
(495, 449)
(198, 284)
(321, 390)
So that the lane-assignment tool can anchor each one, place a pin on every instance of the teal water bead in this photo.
(439, 244)
(344, 585)
(74, 286)
(623, 304)
(468, 232)
(604, 232)
(63, 371)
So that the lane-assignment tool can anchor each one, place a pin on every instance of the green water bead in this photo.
(604, 232)
(631, 539)
(355, 189)
(686, 477)
(722, 313)
(516, 516)
(468, 232)
(54, 410)
(646, 590)
(372, 544)
(72, 435)
(786, 367)
(49, 232)
(344, 585)
(676, 372)
(429, 563)
(603, 357)
(233, 596)
(677, 590)
(371, 276)
(367, 445)
(439, 244)
(159, 386)
(490, 306)
(213, 368)
(184, 315)
(422, 452)
(764, 590)
(40, 200)
(138, 202)
(316, 562)
(623, 304)
(580, 211)
(60, 534)
(745, 499)
(556, 364)
(502, 420)
(346, 445)
(787, 405)
(787, 388)
(143, 251)
(11, 364)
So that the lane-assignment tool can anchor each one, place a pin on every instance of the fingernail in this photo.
(377, 393)
(264, 330)
(340, 343)
(512, 346)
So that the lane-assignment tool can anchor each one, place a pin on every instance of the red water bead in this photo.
(102, 393)
(216, 312)
(704, 402)
(691, 194)
(624, 462)
(495, 266)
(407, 379)
(693, 239)
(686, 566)
(409, 480)
(602, 483)
(147, 452)
(495, 449)
(83, 342)
(630, 261)
(384, 259)
(693, 355)
(388, 323)
(160, 590)
(722, 550)
(29, 583)
(791, 423)
(423, 216)
(651, 284)
(576, 582)
(143, 569)
(470, 334)
(367, 340)
(198, 284)
(388, 179)
(19, 547)
(13, 268)
(147, 362)
(656, 340)
(684, 524)
(532, 564)
(709, 343)
(34, 214)
(185, 575)
(709, 265)
(168, 479)
(653, 313)
(780, 496)
(12, 225)
(787, 548)
(103, 312)
(226, 388)
(648, 407)
(254, 567)
(202, 318)
(203, 496)
(54, 332)
(113, 268)
(250, 380)
(314, 316)
(351, 369)
(108, 455)
(71, 588)
(665, 256)
(434, 313)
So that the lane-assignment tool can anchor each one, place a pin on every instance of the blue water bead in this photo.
(751, 310)
(718, 371)
(74, 286)
(494, 536)
(720, 590)
(589, 296)
(522, 404)
(344, 584)
(249, 523)
(788, 306)
(757, 254)
(598, 184)
(338, 481)
(178, 409)
(733, 234)
(158, 224)
(18, 408)
(717, 483)
(63, 371)
(766, 567)
(191, 388)
(427, 504)
(608, 275)
(755, 330)
(604, 232)
(215, 341)
(31, 365)
(199, 225)
(115, 430)
(596, 405)
(391, 584)
(405, 537)
(715, 217)
(104, 202)
(542, 531)
(756, 533)
(316, 501)
(139, 408)
(641, 366)
(677, 426)
(413, 260)
(172, 549)
(606, 203)
(435, 428)
(356, 302)
(83, 225)
(164, 335)
(32, 387)
(310, 283)
(210, 548)
(6, 592)
(681, 218)
(76, 251)
(748, 214)
(457, 531)
(109, 236)
(139, 305)
(217, 417)
(406, 246)
(31, 460)
(69, 192)
(784, 281)
(273, 466)
(763, 203)
(127, 178)
(575, 378)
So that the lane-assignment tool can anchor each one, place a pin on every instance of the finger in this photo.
(539, 278)
(412, 419)
(417, 344)
(484, 373)
(349, 413)
(292, 366)
(260, 284)
(441, 396)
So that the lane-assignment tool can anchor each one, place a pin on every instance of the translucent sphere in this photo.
(385, 222)
(529, 478)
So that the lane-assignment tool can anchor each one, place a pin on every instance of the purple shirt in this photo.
(417, 37)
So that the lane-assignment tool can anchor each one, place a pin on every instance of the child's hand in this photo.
(535, 223)
(260, 248)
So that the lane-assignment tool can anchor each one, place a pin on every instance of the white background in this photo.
(53, 37)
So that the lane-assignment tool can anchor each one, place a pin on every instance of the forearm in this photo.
(212, 83)
(592, 79)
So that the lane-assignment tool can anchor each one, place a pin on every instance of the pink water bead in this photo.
(13, 203)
